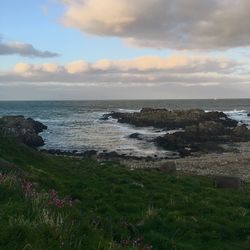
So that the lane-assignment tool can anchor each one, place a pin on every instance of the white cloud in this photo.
(176, 24)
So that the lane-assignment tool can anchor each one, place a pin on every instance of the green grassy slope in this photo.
(114, 207)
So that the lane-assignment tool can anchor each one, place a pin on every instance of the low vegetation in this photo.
(56, 202)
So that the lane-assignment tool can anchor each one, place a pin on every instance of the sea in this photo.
(76, 125)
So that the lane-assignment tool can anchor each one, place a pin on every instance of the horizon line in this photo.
(140, 99)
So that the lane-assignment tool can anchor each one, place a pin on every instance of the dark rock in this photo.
(108, 155)
(38, 126)
(105, 117)
(89, 153)
(25, 130)
(248, 114)
(210, 128)
(171, 141)
(136, 136)
(61, 152)
(184, 152)
(205, 136)
(206, 131)
(241, 133)
(172, 119)
(227, 182)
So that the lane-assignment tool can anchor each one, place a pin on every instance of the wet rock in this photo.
(25, 130)
(105, 117)
(137, 136)
(227, 182)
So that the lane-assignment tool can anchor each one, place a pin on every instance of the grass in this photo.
(113, 207)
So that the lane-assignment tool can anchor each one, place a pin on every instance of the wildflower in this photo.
(28, 189)
(57, 202)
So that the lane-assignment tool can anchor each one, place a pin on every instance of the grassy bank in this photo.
(52, 202)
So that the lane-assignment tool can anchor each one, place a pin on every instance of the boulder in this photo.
(25, 130)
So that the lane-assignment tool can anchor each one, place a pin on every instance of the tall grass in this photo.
(72, 203)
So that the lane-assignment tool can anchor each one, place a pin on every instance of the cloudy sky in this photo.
(124, 49)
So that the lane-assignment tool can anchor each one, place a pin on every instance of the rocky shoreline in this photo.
(236, 164)
(196, 130)
(229, 142)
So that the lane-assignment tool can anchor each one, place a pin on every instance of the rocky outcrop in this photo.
(171, 119)
(25, 130)
(204, 137)
(201, 131)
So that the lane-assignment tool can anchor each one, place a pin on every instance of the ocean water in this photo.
(76, 125)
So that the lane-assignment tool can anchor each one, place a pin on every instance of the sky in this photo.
(124, 49)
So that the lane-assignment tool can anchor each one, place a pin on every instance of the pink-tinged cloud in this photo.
(175, 24)
(181, 69)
